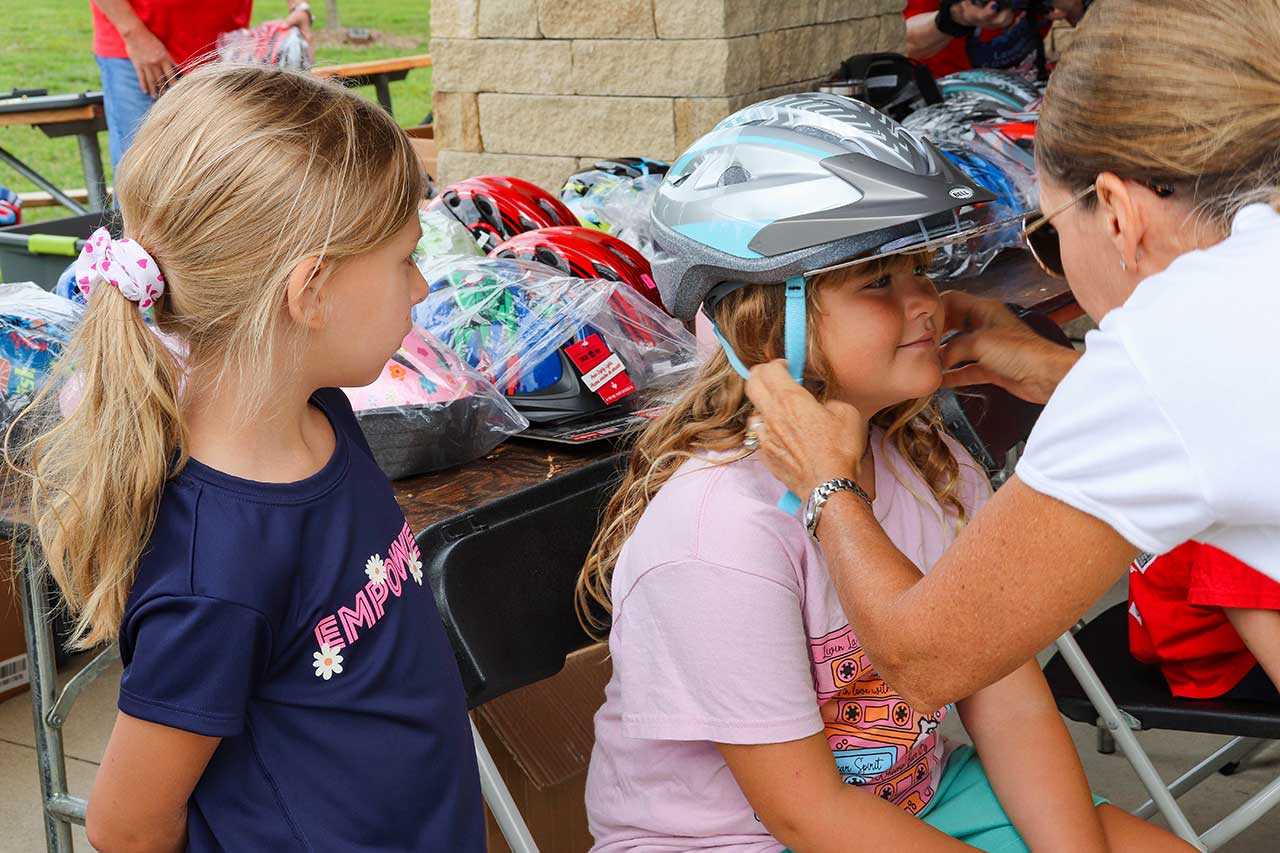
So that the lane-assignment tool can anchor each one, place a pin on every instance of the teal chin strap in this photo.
(794, 344)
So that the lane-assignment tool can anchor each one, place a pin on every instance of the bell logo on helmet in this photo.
(960, 193)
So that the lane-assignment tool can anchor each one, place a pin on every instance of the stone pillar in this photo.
(541, 88)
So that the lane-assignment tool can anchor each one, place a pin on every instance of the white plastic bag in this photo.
(443, 235)
(269, 43)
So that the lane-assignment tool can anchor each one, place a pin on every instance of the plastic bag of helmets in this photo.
(614, 196)
(269, 43)
(35, 327)
(563, 341)
(429, 410)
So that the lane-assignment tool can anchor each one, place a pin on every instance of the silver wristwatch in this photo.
(818, 498)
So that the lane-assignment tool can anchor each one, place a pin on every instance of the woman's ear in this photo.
(1124, 218)
(304, 297)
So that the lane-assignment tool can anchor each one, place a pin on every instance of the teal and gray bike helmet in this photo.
(794, 186)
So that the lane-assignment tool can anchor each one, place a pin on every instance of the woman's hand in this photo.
(997, 348)
(805, 443)
(1070, 11)
(985, 15)
(151, 60)
(301, 18)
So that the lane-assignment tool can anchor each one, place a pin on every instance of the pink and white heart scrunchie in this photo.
(123, 264)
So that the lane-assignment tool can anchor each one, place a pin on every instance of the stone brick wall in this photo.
(542, 88)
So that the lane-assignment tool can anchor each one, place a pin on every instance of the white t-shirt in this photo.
(1168, 428)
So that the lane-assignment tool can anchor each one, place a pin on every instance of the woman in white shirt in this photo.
(1159, 157)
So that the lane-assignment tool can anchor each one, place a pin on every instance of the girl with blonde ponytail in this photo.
(743, 713)
(201, 493)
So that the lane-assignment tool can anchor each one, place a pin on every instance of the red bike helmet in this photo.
(495, 207)
(584, 253)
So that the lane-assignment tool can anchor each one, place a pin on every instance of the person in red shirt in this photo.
(141, 45)
(955, 35)
(1211, 623)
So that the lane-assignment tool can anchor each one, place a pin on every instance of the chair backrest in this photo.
(504, 575)
(990, 421)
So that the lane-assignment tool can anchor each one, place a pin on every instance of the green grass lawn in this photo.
(51, 47)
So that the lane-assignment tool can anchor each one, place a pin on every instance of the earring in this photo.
(1124, 265)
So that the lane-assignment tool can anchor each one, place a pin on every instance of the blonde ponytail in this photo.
(237, 175)
(100, 470)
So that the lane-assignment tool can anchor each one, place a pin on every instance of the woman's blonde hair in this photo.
(711, 417)
(237, 175)
(1181, 92)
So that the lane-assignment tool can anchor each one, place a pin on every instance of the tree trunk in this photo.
(331, 20)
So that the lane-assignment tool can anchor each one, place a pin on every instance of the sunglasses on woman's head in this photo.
(1043, 239)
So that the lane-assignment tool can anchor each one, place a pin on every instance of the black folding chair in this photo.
(1095, 680)
(503, 577)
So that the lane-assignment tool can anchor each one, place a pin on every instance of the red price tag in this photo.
(602, 371)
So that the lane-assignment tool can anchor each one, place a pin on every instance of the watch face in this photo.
(810, 513)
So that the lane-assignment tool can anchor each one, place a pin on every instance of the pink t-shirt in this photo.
(727, 628)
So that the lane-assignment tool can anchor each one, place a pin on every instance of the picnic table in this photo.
(427, 500)
(379, 73)
(80, 115)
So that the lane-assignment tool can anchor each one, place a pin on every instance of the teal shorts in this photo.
(965, 807)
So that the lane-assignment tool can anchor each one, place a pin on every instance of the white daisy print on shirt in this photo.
(327, 662)
(415, 567)
(376, 569)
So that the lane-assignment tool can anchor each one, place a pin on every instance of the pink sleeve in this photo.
(712, 653)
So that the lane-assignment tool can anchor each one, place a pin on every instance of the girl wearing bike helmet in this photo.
(742, 713)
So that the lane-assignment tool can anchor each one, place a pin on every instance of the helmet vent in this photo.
(549, 210)
(604, 272)
(735, 174)
(544, 255)
(818, 133)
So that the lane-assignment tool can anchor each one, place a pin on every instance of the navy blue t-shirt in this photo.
(293, 621)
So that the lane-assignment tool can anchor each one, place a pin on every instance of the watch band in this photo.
(947, 24)
(819, 496)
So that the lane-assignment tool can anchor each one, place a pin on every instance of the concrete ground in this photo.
(87, 731)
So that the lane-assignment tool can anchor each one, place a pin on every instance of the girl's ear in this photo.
(304, 296)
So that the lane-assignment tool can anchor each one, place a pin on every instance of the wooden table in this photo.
(512, 466)
(378, 73)
(78, 115)
(1013, 277)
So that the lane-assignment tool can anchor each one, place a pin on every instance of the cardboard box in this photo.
(541, 737)
(14, 672)
(423, 140)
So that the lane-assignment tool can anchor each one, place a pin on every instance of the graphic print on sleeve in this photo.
(879, 741)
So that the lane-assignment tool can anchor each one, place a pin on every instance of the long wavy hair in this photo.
(710, 417)
(237, 175)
